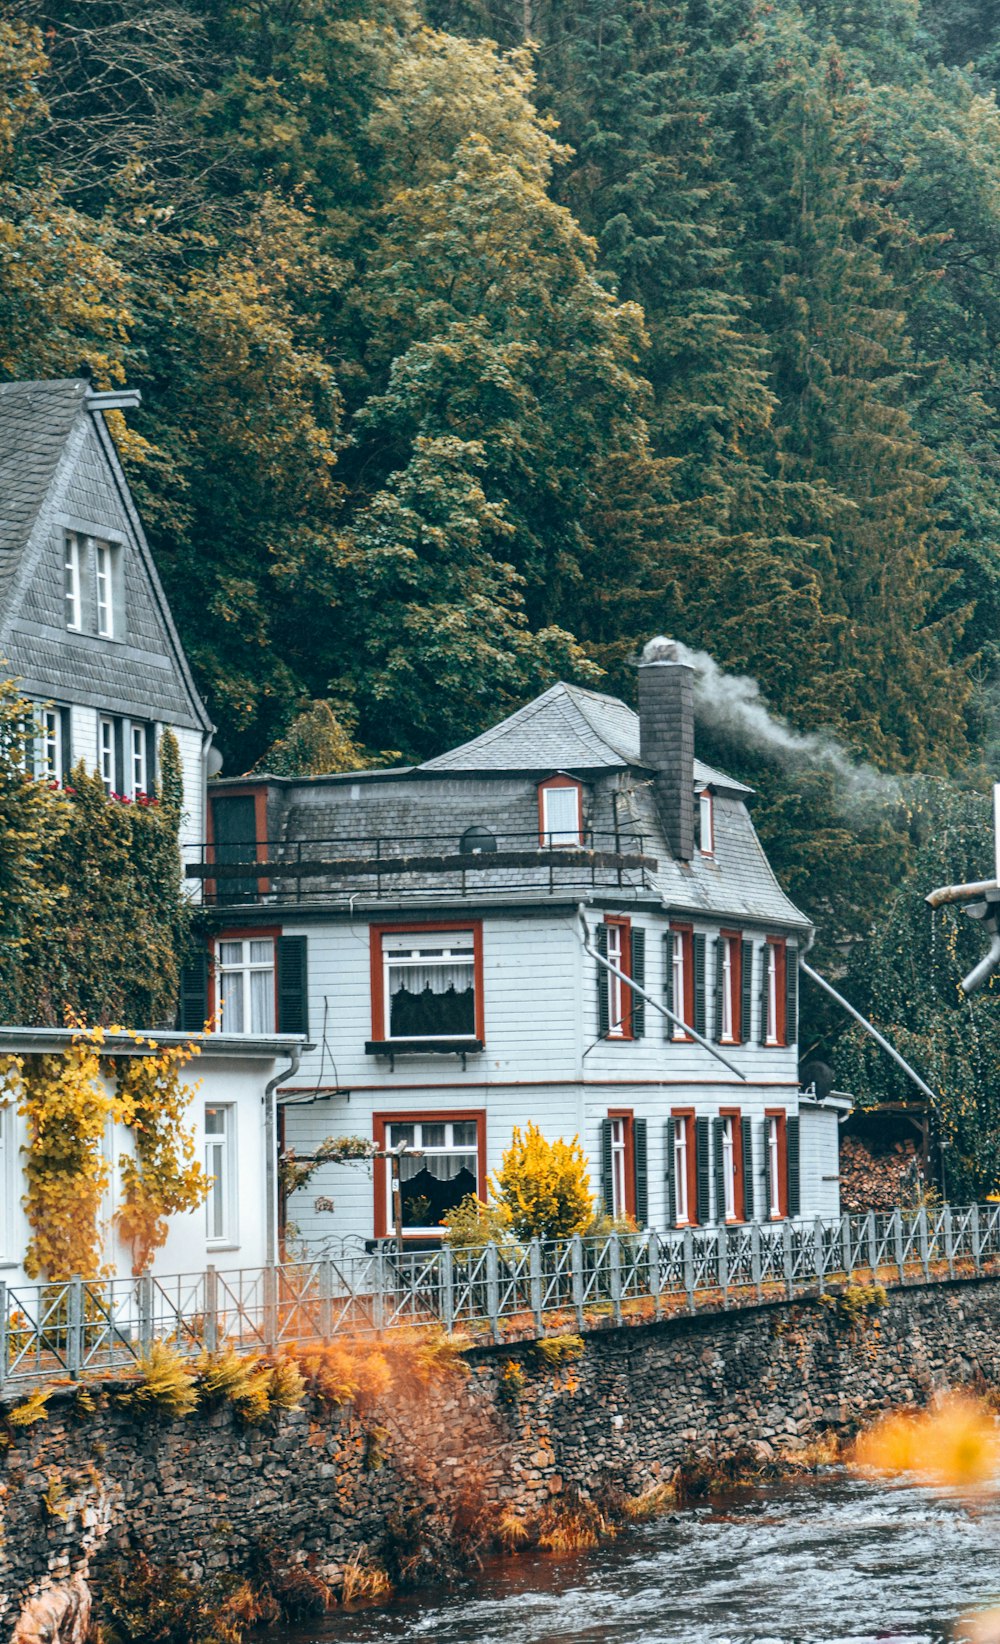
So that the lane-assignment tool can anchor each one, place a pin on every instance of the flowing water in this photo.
(834, 1561)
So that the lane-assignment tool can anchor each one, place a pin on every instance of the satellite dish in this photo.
(819, 1075)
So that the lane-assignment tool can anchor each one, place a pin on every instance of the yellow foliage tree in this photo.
(545, 1186)
(163, 1178)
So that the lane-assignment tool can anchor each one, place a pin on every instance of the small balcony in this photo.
(380, 869)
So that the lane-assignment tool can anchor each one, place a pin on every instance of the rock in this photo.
(61, 1615)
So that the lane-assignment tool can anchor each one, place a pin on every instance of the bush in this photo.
(544, 1186)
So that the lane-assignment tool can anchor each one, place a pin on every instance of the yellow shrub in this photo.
(31, 1409)
(544, 1186)
(167, 1384)
(287, 1385)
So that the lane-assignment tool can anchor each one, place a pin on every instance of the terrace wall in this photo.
(409, 1481)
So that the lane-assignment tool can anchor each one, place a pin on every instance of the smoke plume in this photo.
(732, 704)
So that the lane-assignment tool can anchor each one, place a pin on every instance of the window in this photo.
(683, 1168)
(728, 1013)
(775, 1164)
(428, 984)
(71, 581)
(137, 738)
(624, 1166)
(220, 1206)
(728, 992)
(105, 589)
(51, 743)
(706, 823)
(619, 993)
(621, 1010)
(106, 753)
(246, 985)
(445, 1166)
(560, 812)
(773, 1002)
(681, 980)
(729, 1168)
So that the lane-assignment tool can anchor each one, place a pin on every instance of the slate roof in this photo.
(566, 728)
(35, 423)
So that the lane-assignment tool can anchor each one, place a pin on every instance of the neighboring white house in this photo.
(229, 1116)
(449, 935)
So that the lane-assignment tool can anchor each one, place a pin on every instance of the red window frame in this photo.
(626, 1117)
(238, 933)
(624, 1030)
(686, 933)
(739, 1207)
(780, 947)
(686, 1117)
(257, 791)
(418, 928)
(706, 793)
(735, 937)
(543, 832)
(421, 1116)
(781, 1115)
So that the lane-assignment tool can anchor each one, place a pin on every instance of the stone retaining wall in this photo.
(405, 1479)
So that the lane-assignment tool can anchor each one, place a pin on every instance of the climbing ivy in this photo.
(162, 1178)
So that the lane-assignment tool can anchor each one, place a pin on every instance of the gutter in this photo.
(678, 1021)
(271, 1156)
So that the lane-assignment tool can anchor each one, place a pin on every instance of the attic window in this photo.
(560, 812)
(71, 582)
(706, 822)
(477, 839)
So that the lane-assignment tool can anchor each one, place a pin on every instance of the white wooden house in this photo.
(448, 935)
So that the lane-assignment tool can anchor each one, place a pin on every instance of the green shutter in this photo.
(719, 1172)
(700, 1001)
(293, 985)
(603, 1001)
(193, 1010)
(638, 946)
(640, 1158)
(668, 1171)
(764, 956)
(794, 1167)
(767, 1171)
(719, 945)
(791, 994)
(749, 1207)
(746, 990)
(607, 1188)
(702, 1147)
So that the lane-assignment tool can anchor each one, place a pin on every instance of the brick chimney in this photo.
(666, 740)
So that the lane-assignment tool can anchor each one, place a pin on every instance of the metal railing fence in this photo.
(80, 1327)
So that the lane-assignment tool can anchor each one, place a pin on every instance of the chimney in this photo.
(666, 739)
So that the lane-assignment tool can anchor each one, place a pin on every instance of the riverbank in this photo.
(409, 1459)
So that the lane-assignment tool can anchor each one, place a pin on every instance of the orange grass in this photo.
(955, 1443)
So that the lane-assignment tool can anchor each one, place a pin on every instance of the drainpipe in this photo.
(984, 895)
(678, 1021)
(271, 1156)
(862, 1021)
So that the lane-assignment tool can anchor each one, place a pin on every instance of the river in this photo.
(833, 1561)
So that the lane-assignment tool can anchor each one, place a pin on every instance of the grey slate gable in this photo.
(59, 470)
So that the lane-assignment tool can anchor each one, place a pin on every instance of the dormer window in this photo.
(560, 812)
(706, 823)
(71, 582)
(104, 564)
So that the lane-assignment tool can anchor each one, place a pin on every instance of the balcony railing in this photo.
(100, 1327)
(399, 867)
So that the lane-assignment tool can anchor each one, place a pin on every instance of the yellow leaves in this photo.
(167, 1384)
(955, 1443)
(545, 1186)
(32, 1409)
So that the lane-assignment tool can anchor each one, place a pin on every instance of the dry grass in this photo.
(363, 1583)
(651, 1503)
(361, 1372)
(572, 1526)
(511, 1530)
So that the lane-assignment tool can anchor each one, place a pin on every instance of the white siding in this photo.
(820, 1161)
(192, 831)
(83, 736)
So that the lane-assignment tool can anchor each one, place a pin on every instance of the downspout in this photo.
(271, 1156)
(678, 1021)
(984, 894)
(862, 1021)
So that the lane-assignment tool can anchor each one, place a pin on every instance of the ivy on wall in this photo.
(162, 1178)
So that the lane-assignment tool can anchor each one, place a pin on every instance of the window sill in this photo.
(423, 1047)
(222, 1244)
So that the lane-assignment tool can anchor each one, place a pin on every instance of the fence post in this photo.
(818, 1262)
(493, 1290)
(576, 1277)
(270, 1307)
(872, 1245)
(4, 1334)
(615, 1257)
(922, 1241)
(74, 1327)
(653, 1269)
(788, 1256)
(325, 1298)
(977, 1243)
(144, 1303)
(379, 1296)
(535, 1283)
(949, 1241)
(846, 1245)
(689, 1268)
(897, 1234)
(722, 1262)
(211, 1310)
(447, 1272)
(755, 1263)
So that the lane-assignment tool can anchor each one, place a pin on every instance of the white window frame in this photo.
(424, 948)
(49, 745)
(774, 1164)
(137, 759)
(616, 987)
(728, 1002)
(107, 753)
(104, 571)
(771, 960)
(729, 1167)
(246, 968)
(8, 1196)
(449, 1148)
(220, 1150)
(72, 583)
(619, 1167)
(706, 822)
(556, 835)
(679, 973)
(680, 1163)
